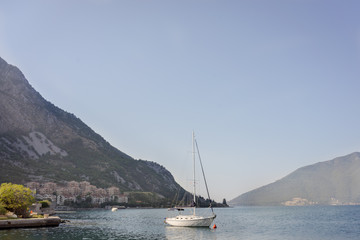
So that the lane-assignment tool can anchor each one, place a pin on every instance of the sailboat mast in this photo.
(202, 169)
(193, 152)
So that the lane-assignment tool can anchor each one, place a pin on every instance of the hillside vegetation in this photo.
(41, 142)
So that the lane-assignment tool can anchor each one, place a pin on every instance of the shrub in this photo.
(45, 203)
(16, 198)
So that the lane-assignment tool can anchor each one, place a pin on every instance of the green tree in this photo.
(2, 209)
(16, 198)
(45, 203)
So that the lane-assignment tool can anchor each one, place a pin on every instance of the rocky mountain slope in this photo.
(41, 142)
(332, 182)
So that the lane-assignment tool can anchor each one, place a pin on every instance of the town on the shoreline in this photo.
(69, 193)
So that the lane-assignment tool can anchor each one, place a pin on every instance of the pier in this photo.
(30, 222)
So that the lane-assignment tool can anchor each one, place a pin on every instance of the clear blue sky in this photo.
(268, 86)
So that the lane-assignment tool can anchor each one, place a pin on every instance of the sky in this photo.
(267, 86)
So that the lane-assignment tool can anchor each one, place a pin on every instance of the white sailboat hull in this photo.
(190, 221)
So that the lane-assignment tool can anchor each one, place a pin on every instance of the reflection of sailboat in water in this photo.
(193, 220)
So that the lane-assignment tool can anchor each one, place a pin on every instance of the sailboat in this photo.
(193, 220)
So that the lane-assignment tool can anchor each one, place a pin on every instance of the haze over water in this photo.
(250, 223)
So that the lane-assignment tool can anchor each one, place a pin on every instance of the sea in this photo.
(247, 223)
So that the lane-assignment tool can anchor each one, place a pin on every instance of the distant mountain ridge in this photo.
(333, 182)
(41, 142)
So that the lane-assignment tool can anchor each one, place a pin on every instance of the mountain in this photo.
(332, 182)
(41, 142)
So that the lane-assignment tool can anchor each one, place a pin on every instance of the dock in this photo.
(30, 222)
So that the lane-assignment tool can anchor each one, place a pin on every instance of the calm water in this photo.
(250, 223)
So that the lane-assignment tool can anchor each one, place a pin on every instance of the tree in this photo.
(16, 198)
(2, 209)
(45, 203)
(224, 201)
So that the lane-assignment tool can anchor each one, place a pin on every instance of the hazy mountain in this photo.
(41, 142)
(332, 182)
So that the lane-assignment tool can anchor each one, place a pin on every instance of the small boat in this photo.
(176, 208)
(192, 220)
(114, 209)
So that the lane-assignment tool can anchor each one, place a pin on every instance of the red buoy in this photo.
(214, 226)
